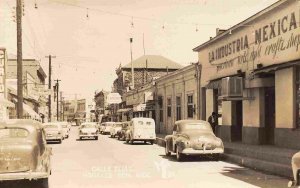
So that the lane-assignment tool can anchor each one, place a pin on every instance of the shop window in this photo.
(169, 107)
(298, 96)
(190, 106)
(161, 110)
(178, 108)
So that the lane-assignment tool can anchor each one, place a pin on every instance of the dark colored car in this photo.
(24, 153)
(122, 133)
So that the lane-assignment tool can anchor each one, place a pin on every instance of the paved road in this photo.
(112, 163)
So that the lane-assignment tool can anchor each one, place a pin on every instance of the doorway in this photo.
(237, 121)
(269, 114)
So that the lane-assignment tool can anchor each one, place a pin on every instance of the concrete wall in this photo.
(180, 83)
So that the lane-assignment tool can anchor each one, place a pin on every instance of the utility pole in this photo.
(61, 107)
(19, 60)
(132, 71)
(49, 86)
(57, 99)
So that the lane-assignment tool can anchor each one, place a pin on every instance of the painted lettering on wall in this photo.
(269, 40)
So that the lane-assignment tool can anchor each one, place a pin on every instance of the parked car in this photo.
(122, 133)
(115, 128)
(24, 151)
(105, 127)
(65, 127)
(88, 130)
(193, 137)
(141, 129)
(296, 170)
(54, 132)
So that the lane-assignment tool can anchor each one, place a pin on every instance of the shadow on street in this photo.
(190, 158)
(260, 179)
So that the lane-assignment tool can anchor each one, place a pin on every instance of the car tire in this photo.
(60, 141)
(119, 137)
(43, 183)
(216, 157)
(145, 142)
(179, 156)
(151, 142)
(127, 141)
(80, 138)
(167, 152)
(96, 137)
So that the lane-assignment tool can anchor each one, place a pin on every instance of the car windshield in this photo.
(51, 126)
(195, 127)
(13, 133)
(88, 126)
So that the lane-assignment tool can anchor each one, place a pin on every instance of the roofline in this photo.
(241, 24)
(184, 69)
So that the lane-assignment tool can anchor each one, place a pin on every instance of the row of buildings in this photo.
(35, 94)
(248, 74)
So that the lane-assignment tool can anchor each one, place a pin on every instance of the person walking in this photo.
(213, 120)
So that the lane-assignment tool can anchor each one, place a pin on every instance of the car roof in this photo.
(22, 123)
(183, 122)
(141, 118)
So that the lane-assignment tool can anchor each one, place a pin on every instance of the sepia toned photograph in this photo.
(149, 93)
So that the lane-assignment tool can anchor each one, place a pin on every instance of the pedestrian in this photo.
(213, 120)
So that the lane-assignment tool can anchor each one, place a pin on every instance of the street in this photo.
(112, 163)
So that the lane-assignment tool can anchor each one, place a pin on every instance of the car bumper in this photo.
(51, 138)
(143, 139)
(88, 135)
(23, 175)
(191, 151)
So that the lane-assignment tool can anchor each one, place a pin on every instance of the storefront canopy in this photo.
(31, 112)
(6, 103)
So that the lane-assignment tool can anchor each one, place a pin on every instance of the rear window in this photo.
(140, 123)
(13, 133)
(51, 126)
(148, 123)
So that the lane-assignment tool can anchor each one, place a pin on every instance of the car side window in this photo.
(175, 129)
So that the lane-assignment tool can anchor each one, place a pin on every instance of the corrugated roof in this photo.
(154, 62)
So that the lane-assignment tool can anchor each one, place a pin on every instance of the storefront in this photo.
(250, 73)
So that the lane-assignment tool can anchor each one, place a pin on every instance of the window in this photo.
(190, 106)
(161, 110)
(169, 107)
(178, 108)
(298, 97)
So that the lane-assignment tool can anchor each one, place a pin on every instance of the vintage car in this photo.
(24, 151)
(105, 127)
(141, 129)
(65, 127)
(193, 137)
(54, 132)
(88, 130)
(117, 126)
(296, 170)
(122, 133)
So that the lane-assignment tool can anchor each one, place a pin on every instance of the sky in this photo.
(90, 38)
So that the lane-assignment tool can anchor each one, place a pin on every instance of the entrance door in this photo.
(237, 121)
(270, 114)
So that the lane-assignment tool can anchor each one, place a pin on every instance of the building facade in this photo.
(250, 74)
(146, 68)
(34, 90)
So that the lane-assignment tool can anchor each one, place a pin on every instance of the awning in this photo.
(6, 103)
(214, 84)
(124, 110)
(275, 67)
(30, 111)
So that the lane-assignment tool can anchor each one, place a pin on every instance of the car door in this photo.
(174, 136)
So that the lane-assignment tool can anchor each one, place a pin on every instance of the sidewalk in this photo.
(266, 158)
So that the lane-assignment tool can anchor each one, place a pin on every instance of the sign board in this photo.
(3, 112)
(269, 39)
(140, 107)
(114, 98)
